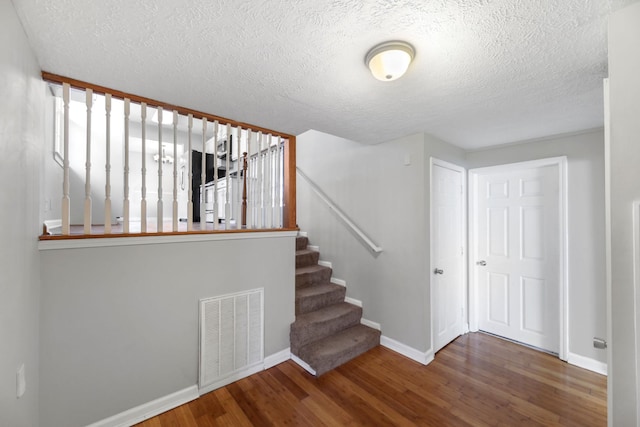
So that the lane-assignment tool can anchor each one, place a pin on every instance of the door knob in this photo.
(481, 263)
(438, 271)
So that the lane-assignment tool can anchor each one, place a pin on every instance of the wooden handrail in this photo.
(102, 90)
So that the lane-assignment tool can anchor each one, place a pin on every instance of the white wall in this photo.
(388, 200)
(624, 72)
(586, 232)
(119, 325)
(21, 135)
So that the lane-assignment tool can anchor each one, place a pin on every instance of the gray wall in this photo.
(624, 69)
(585, 157)
(119, 325)
(21, 133)
(388, 200)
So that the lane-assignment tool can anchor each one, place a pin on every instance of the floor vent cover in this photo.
(231, 338)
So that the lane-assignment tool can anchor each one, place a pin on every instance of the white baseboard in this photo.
(236, 376)
(421, 357)
(150, 409)
(338, 282)
(371, 324)
(325, 264)
(303, 364)
(353, 301)
(277, 358)
(587, 363)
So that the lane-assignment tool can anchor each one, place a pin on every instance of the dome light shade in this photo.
(390, 60)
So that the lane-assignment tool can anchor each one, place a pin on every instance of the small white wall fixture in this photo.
(563, 295)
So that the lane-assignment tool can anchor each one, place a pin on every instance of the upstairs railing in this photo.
(223, 175)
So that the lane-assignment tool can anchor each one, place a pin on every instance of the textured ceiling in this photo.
(486, 72)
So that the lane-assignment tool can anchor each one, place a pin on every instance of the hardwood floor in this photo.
(477, 380)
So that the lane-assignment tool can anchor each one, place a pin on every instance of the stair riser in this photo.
(301, 335)
(301, 243)
(316, 302)
(310, 279)
(303, 260)
(322, 365)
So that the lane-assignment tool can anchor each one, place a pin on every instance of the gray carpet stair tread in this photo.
(325, 314)
(313, 291)
(305, 252)
(312, 275)
(315, 297)
(306, 257)
(301, 242)
(310, 269)
(332, 351)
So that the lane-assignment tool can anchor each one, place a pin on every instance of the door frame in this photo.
(433, 161)
(563, 278)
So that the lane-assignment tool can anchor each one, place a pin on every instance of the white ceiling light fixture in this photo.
(389, 60)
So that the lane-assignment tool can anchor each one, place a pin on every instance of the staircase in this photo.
(327, 331)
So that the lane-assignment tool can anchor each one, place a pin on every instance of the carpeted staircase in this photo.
(327, 331)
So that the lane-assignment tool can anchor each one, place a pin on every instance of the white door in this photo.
(518, 245)
(447, 251)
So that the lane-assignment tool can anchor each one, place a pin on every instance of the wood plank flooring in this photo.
(477, 380)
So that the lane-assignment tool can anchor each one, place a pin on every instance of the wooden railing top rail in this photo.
(79, 84)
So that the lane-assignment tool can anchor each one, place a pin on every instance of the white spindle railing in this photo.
(87, 177)
(175, 170)
(260, 196)
(249, 179)
(66, 201)
(190, 169)
(203, 176)
(216, 205)
(277, 204)
(143, 187)
(227, 202)
(237, 186)
(260, 206)
(159, 211)
(125, 204)
(107, 167)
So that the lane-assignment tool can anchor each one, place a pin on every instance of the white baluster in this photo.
(237, 188)
(276, 187)
(215, 176)
(227, 203)
(175, 170)
(260, 188)
(125, 207)
(189, 161)
(87, 165)
(203, 176)
(66, 201)
(143, 189)
(282, 183)
(160, 213)
(269, 184)
(249, 184)
(107, 166)
(256, 183)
